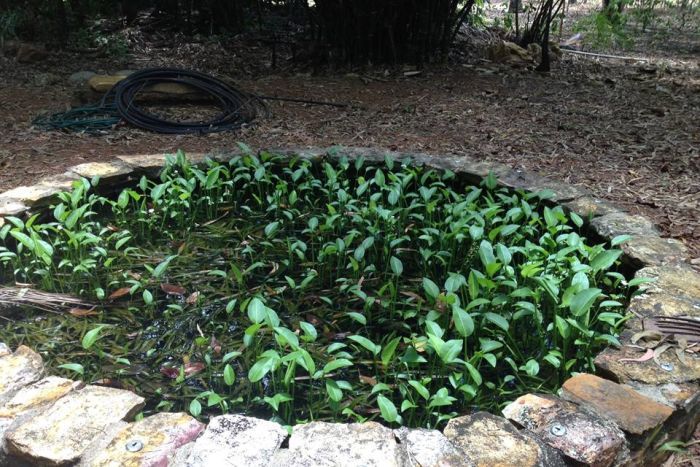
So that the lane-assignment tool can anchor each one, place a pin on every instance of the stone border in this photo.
(619, 417)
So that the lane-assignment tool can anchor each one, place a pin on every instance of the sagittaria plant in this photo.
(323, 289)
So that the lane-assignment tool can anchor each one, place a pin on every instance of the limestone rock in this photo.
(615, 362)
(27, 53)
(104, 170)
(148, 442)
(10, 206)
(236, 440)
(18, 370)
(64, 431)
(4, 349)
(38, 394)
(322, 444)
(632, 412)
(589, 207)
(80, 77)
(678, 281)
(430, 448)
(620, 223)
(580, 436)
(654, 251)
(30, 195)
(491, 441)
(649, 305)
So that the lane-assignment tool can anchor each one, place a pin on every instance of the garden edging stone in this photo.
(621, 420)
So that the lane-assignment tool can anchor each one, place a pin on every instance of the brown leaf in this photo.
(119, 293)
(192, 368)
(170, 372)
(646, 357)
(368, 380)
(171, 289)
(192, 299)
(109, 382)
(215, 345)
(81, 312)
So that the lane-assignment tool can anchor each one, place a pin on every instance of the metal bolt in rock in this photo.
(134, 445)
(667, 366)
(557, 429)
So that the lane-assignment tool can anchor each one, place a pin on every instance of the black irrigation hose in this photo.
(237, 107)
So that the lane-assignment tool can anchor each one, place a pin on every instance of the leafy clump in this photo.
(318, 289)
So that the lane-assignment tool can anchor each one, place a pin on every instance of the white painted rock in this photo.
(236, 441)
(64, 431)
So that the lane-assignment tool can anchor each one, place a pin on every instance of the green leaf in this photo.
(387, 409)
(486, 253)
(605, 259)
(195, 408)
(336, 364)
(620, 239)
(256, 310)
(160, 269)
(334, 392)
(91, 337)
(420, 389)
(431, 288)
(229, 375)
(75, 367)
(366, 343)
(582, 301)
(464, 324)
(396, 265)
(359, 317)
(532, 368)
(260, 369)
(498, 320)
(389, 350)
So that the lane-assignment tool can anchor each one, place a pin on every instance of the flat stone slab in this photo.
(678, 281)
(236, 440)
(148, 442)
(430, 448)
(150, 162)
(103, 170)
(21, 368)
(491, 441)
(620, 223)
(321, 444)
(654, 251)
(64, 431)
(649, 305)
(589, 207)
(580, 436)
(631, 411)
(681, 395)
(4, 349)
(11, 207)
(41, 393)
(616, 362)
(29, 195)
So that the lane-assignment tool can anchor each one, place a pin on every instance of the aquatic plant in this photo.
(316, 289)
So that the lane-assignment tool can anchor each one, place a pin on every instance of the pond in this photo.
(325, 289)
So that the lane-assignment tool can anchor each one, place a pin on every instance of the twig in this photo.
(591, 54)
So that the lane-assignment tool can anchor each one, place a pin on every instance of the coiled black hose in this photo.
(237, 107)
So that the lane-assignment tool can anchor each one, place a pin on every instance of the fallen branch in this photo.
(591, 54)
(44, 301)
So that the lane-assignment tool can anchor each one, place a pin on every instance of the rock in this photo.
(106, 171)
(30, 195)
(39, 394)
(11, 207)
(620, 223)
(64, 431)
(589, 207)
(654, 251)
(580, 436)
(632, 412)
(615, 362)
(322, 444)
(671, 394)
(27, 53)
(153, 163)
(125, 72)
(491, 441)
(4, 349)
(430, 448)
(661, 304)
(45, 79)
(80, 77)
(148, 442)
(19, 370)
(678, 281)
(236, 440)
